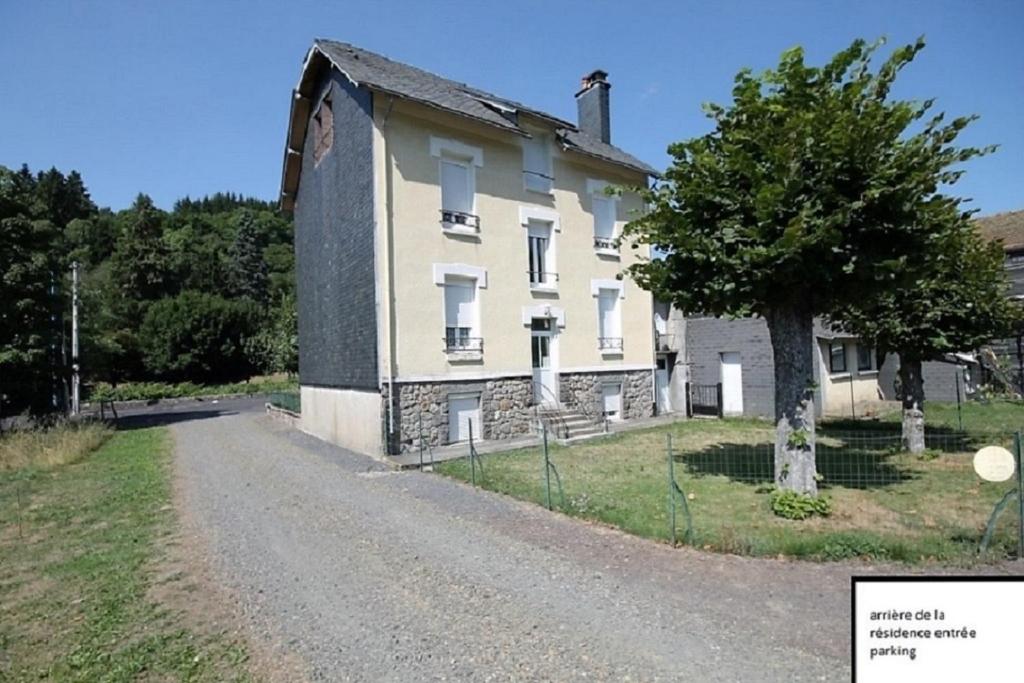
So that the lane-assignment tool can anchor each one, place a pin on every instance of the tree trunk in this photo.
(792, 334)
(912, 395)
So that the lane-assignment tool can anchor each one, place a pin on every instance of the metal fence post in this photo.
(472, 454)
(718, 398)
(421, 440)
(671, 489)
(1020, 496)
(959, 412)
(547, 467)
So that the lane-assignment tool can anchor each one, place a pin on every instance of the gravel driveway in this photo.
(366, 574)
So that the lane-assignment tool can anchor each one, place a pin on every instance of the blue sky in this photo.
(176, 98)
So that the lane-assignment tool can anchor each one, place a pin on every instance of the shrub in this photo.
(197, 336)
(793, 505)
(152, 391)
(849, 546)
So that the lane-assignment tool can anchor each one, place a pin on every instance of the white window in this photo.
(457, 177)
(609, 321)
(457, 187)
(537, 174)
(542, 273)
(463, 415)
(611, 399)
(460, 316)
(604, 223)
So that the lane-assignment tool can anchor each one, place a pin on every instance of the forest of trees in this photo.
(202, 293)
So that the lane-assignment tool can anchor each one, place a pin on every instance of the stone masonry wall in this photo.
(582, 391)
(505, 410)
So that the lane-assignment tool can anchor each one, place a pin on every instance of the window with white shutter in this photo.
(604, 222)
(537, 174)
(609, 321)
(460, 312)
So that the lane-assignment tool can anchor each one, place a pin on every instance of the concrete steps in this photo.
(576, 424)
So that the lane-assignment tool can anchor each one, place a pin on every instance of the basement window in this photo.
(323, 130)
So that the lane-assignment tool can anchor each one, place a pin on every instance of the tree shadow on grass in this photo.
(856, 464)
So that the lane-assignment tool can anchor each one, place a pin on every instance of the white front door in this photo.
(732, 384)
(661, 384)
(545, 374)
(463, 410)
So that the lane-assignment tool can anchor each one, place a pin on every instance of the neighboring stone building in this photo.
(457, 264)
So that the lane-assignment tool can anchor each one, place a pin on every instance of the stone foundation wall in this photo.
(582, 391)
(505, 410)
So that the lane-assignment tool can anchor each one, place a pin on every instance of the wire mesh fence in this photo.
(286, 400)
(711, 484)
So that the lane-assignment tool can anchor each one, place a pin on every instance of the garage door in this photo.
(462, 410)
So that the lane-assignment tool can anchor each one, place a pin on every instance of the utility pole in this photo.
(75, 379)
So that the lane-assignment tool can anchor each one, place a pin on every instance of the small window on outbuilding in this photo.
(837, 357)
(865, 358)
(323, 130)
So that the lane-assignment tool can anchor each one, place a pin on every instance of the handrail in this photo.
(562, 427)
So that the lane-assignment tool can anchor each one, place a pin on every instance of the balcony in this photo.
(459, 222)
(606, 246)
(543, 281)
(609, 346)
(664, 343)
(536, 181)
(463, 348)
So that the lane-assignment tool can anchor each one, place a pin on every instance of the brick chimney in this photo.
(592, 105)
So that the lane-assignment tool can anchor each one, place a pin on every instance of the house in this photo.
(731, 370)
(456, 257)
(1008, 228)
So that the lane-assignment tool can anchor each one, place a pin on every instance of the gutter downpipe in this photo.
(390, 224)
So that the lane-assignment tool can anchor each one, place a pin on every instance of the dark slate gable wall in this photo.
(708, 338)
(334, 249)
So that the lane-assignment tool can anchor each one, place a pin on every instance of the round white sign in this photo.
(994, 463)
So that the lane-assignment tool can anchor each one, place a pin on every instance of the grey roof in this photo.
(380, 73)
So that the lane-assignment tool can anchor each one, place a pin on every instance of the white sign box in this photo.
(948, 628)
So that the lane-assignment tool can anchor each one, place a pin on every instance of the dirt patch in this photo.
(185, 581)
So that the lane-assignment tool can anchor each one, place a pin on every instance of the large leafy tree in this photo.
(29, 303)
(141, 261)
(197, 336)
(955, 299)
(248, 268)
(805, 196)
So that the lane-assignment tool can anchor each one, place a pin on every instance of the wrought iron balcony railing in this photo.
(605, 244)
(460, 219)
(542, 279)
(609, 343)
(460, 344)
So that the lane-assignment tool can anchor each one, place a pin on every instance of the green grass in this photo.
(79, 545)
(885, 504)
(998, 415)
(49, 447)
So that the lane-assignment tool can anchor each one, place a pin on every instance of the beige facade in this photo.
(852, 388)
(418, 252)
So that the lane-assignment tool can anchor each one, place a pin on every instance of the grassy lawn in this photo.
(886, 504)
(998, 415)
(80, 545)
